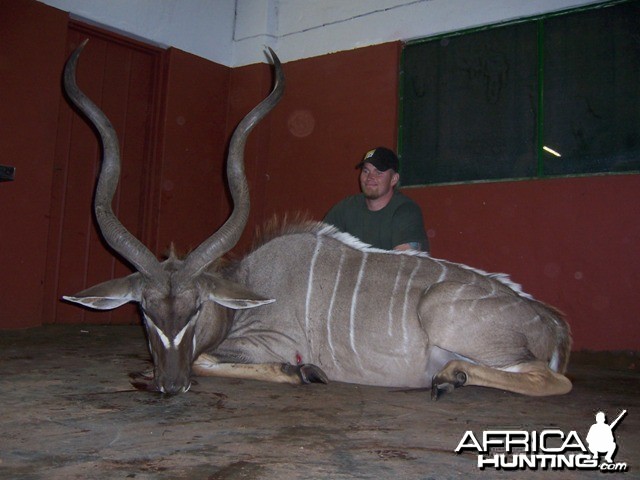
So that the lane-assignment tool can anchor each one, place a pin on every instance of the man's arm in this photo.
(408, 246)
(408, 228)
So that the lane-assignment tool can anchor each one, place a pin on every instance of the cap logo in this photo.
(370, 153)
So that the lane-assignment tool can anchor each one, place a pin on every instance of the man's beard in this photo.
(371, 193)
(371, 196)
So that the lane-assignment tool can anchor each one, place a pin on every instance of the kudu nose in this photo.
(174, 388)
(172, 385)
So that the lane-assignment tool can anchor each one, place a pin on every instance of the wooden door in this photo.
(124, 78)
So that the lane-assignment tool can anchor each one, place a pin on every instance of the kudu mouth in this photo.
(140, 381)
(172, 388)
(155, 278)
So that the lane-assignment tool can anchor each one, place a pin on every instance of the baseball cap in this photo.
(382, 158)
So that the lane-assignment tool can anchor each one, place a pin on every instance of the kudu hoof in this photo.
(443, 383)
(307, 373)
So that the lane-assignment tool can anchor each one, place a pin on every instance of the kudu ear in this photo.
(230, 294)
(110, 294)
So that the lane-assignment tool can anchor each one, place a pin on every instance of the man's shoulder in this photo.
(352, 201)
(345, 209)
(401, 201)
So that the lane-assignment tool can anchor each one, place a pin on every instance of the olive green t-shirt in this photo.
(398, 223)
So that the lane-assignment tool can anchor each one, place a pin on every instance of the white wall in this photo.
(234, 32)
(202, 27)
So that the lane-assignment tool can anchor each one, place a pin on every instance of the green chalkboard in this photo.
(483, 105)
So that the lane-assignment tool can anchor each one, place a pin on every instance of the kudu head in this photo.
(172, 294)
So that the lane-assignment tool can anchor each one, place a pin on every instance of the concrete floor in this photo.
(67, 411)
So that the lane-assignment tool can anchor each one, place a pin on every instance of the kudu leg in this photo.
(209, 366)
(532, 378)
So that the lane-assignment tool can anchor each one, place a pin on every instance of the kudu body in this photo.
(325, 305)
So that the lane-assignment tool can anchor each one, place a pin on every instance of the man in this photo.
(380, 216)
(600, 437)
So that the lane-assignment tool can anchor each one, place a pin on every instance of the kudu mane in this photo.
(282, 225)
(297, 223)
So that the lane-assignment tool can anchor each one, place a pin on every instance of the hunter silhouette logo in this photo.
(549, 449)
(600, 437)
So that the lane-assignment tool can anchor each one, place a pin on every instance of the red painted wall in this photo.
(192, 192)
(572, 242)
(29, 96)
(336, 108)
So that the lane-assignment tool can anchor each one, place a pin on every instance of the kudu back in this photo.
(312, 304)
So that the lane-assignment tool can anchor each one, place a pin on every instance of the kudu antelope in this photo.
(312, 304)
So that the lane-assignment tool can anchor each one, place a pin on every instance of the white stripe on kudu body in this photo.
(354, 307)
(316, 252)
(394, 295)
(334, 294)
(406, 305)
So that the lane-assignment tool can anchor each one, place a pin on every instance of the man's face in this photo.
(376, 184)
